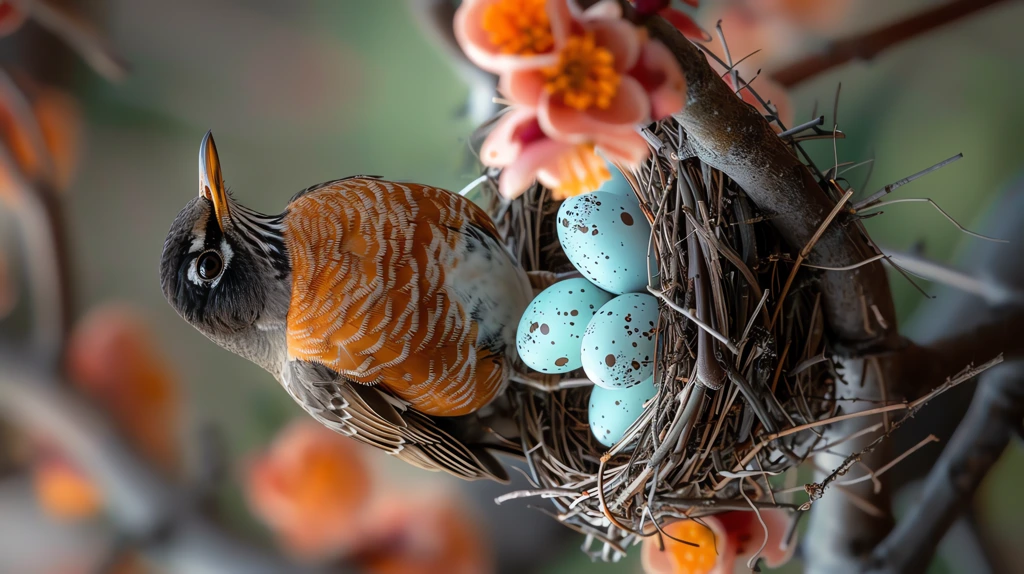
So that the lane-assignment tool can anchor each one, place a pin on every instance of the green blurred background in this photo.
(302, 92)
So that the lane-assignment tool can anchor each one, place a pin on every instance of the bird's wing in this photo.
(369, 298)
(374, 417)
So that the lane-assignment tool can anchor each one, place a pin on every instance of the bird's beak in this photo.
(211, 181)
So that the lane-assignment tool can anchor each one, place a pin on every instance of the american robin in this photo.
(387, 310)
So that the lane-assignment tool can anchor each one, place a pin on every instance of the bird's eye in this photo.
(209, 265)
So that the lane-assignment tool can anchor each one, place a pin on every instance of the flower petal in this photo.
(628, 108)
(524, 87)
(626, 147)
(503, 145)
(520, 175)
(619, 37)
(659, 73)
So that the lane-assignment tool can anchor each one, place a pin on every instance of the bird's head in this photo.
(225, 267)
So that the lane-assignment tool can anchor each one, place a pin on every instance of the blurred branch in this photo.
(924, 366)
(41, 223)
(154, 515)
(868, 45)
(994, 417)
(435, 18)
(80, 34)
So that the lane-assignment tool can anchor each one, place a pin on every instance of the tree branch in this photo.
(153, 514)
(994, 415)
(867, 46)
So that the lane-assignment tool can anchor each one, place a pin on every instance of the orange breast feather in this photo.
(368, 292)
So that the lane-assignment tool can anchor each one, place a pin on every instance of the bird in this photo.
(388, 311)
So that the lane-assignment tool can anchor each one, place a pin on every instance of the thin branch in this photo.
(979, 441)
(878, 195)
(867, 46)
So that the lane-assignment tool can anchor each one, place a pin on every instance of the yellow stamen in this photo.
(691, 559)
(585, 74)
(580, 171)
(519, 27)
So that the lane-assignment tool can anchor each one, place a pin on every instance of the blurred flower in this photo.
(310, 487)
(63, 491)
(424, 534)
(725, 543)
(580, 81)
(58, 122)
(11, 17)
(114, 360)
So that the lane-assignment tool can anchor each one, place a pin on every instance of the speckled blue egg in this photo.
(612, 411)
(551, 330)
(618, 344)
(617, 184)
(606, 237)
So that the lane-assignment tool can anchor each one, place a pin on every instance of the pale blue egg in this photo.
(551, 330)
(611, 412)
(618, 344)
(617, 184)
(606, 237)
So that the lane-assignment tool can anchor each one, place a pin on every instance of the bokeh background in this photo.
(306, 91)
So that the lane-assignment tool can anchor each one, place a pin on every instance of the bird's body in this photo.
(387, 310)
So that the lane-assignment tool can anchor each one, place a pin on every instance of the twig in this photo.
(693, 317)
(993, 292)
(944, 214)
(867, 46)
(878, 195)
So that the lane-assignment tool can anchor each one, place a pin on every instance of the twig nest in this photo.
(696, 383)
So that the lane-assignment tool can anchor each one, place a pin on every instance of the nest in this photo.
(732, 390)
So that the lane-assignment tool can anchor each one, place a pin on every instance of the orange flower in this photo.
(725, 542)
(424, 534)
(62, 490)
(500, 35)
(114, 360)
(310, 488)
